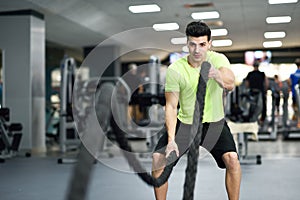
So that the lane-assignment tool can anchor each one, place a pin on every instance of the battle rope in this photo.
(193, 152)
(81, 175)
(135, 164)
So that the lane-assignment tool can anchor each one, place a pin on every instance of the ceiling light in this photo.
(219, 32)
(166, 27)
(221, 43)
(206, 15)
(272, 44)
(275, 20)
(180, 40)
(282, 1)
(278, 34)
(144, 8)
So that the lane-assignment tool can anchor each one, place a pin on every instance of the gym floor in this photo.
(41, 178)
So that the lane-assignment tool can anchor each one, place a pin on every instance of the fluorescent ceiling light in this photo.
(166, 27)
(144, 8)
(221, 43)
(282, 1)
(180, 40)
(205, 15)
(272, 44)
(278, 34)
(275, 20)
(219, 32)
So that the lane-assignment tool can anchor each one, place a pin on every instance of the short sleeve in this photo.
(220, 60)
(172, 80)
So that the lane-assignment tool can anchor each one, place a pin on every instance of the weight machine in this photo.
(68, 137)
(151, 100)
(269, 129)
(10, 136)
(243, 106)
(67, 131)
(292, 131)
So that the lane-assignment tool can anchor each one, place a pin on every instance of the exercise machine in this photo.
(68, 137)
(292, 131)
(243, 104)
(67, 131)
(109, 90)
(151, 101)
(10, 135)
(243, 107)
(121, 94)
(52, 123)
(285, 90)
(269, 129)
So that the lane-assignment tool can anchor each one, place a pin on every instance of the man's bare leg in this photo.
(233, 175)
(158, 164)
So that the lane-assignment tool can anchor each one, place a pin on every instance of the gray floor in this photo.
(41, 178)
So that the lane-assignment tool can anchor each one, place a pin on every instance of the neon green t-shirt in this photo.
(183, 78)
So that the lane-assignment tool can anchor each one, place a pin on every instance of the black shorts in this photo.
(216, 138)
(294, 98)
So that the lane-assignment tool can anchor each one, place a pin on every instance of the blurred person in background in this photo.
(293, 81)
(259, 81)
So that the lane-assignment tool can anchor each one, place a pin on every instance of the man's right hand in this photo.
(172, 146)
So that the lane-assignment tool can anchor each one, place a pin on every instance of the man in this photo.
(277, 87)
(181, 86)
(294, 80)
(258, 80)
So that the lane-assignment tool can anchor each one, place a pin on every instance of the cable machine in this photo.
(67, 131)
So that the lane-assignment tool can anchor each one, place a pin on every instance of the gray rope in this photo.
(193, 154)
(82, 172)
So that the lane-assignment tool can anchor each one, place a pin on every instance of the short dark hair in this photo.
(256, 63)
(197, 29)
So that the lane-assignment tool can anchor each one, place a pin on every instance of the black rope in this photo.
(171, 160)
(135, 164)
(193, 154)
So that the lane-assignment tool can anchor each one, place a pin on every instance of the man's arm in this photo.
(171, 120)
(289, 82)
(247, 84)
(223, 76)
(266, 83)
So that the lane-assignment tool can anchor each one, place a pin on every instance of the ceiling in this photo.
(80, 23)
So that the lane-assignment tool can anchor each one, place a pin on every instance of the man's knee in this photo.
(231, 160)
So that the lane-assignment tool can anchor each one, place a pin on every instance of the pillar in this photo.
(23, 43)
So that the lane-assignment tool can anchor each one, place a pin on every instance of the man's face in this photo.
(198, 46)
